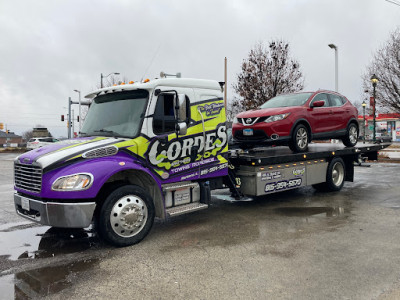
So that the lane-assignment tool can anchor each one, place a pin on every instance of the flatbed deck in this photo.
(282, 154)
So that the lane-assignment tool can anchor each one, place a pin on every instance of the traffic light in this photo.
(67, 124)
(1, 126)
(77, 118)
(7, 131)
(62, 118)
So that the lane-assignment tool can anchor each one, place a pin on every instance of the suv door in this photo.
(338, 115)
(319, 117)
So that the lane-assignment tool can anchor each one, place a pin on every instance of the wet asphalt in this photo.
(299, 244)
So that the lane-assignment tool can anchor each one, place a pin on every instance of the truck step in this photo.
(183, 209)
(169, 187)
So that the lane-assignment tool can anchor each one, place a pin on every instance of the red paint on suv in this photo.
(296, 119)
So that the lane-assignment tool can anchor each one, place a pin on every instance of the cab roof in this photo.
(168, 82)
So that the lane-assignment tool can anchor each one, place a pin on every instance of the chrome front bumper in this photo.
(65, 215)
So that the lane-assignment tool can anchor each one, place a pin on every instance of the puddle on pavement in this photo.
(42, 282)
(325, 211)
(18, 241)
(30, 241)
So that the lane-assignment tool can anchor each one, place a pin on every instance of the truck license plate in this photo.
(248, 131)
(25, 204)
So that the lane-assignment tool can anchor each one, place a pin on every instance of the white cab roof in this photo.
(170, 82)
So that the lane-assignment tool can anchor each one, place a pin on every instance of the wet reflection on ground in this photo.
(58, 241)
(48, 280)
(28, 241)
(310, 211)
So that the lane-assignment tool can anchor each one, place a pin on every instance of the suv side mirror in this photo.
(318, 103)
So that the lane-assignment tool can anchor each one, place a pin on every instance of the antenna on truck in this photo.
(151, 61)
(165, 75)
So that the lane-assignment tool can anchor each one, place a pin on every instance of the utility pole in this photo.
(226, 84)
(80, 116)
(69, 117)
(73, 124)
(332, 46)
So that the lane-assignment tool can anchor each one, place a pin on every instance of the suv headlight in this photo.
(75, 182)
(276, 118)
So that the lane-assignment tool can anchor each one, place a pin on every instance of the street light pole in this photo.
(80, 117)
(374, 81)
(101, 77)
(363, 106)
(332, 46)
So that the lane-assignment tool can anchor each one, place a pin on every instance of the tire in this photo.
(335, 176)
(350, 140)
(126, 216)
(299, 139)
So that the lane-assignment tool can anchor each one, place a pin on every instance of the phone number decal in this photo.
(283, 185)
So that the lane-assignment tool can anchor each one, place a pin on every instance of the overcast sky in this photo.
(49, 48)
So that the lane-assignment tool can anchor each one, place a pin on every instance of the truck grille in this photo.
(28, 177)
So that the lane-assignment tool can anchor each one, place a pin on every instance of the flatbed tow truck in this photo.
(156, 150)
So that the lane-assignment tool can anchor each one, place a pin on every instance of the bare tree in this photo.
(27, 135)
(234, 107)
(113, 79)
(267, 72)
(386, 66)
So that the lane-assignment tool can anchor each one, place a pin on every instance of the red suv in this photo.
(296, 119)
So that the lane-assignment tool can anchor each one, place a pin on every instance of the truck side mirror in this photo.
(182, 110)
(181, 128)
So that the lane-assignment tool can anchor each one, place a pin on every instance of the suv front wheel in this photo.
(299, 139)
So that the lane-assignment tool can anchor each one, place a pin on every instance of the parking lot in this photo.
(299, 244)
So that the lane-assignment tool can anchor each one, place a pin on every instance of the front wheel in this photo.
(126, 216)
(350, 139)
(299, 139)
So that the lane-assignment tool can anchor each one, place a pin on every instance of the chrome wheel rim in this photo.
(353, 134)
(337, 174)
(128, 216)
(302, 138)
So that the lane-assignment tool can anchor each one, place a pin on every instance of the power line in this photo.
(396, 2)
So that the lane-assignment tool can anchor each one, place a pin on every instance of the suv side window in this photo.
(336, 100)
(164, 114)
(323, 97)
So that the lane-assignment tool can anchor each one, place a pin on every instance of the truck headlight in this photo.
(276, 118)
(75, 182)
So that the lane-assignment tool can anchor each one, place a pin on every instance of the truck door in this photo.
(171, 152)
(209, 113)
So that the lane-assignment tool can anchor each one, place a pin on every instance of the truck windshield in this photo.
(116, 114)
(287, 100)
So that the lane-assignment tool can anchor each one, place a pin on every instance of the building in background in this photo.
(40, 132)
(387, 125)
(9, 139)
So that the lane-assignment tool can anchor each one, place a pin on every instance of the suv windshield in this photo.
(117, 114)
(287, 100)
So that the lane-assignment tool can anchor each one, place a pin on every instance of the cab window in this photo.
(164, 114)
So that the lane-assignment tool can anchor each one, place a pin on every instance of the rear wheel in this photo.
(299, 139)
(335, 176)
(126, 216)
(350, 140)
